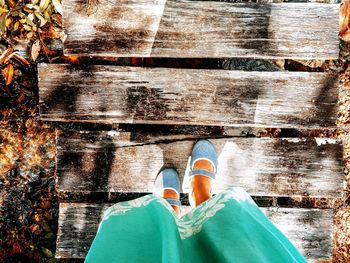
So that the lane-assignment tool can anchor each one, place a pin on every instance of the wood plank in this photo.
(99, 93)
(182, 28)
(308, 229)
(108, 162)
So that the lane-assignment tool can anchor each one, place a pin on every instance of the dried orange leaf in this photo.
(21, 59)
(8, 74)
(8, 22)
(11, 3)
(36, 47)
(49, 52)
(71, 59)
(4, 56)
(344, 20)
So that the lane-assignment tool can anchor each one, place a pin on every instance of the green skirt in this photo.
(228, 227)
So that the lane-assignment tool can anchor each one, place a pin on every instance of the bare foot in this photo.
(201, 185)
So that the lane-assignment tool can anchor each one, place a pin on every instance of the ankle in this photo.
(201, 189)
(169, 193)
(176, 209)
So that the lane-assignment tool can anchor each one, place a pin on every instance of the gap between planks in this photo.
(261, 201)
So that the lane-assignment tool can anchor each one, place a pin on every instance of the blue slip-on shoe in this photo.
(168, 178)
(203, 150)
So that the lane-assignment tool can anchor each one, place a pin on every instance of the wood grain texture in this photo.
(309, 230)
(99, 93)
(108, 162)
(182, 28)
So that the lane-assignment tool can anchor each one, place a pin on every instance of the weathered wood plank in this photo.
(188, 96)
(308, 229)
(100, 162)
(181, 28)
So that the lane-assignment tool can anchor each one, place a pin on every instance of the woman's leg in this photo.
(168, 193)
(201, 185)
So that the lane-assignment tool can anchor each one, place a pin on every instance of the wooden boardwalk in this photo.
(190, 97)
(182, 28)
(99, 162)
(308, 229)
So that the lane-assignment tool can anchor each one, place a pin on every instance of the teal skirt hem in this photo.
(228, 227)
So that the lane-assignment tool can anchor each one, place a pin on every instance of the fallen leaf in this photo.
(4, 56)
(49, 52)
(30, 35)
(44, 4)
(3, 10)
(8, 74)
(34, 228)
(8, 22)
(15, 26)
(29, 20)
(90, 6)
(11, 3)
(26, 27)
(344, 20)
(72, 59)
(51, 32)
(20, 59)
(36, 47)
(57, 6)
(47, 252)
(41, 18)
(47, 15)
(2, 23)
